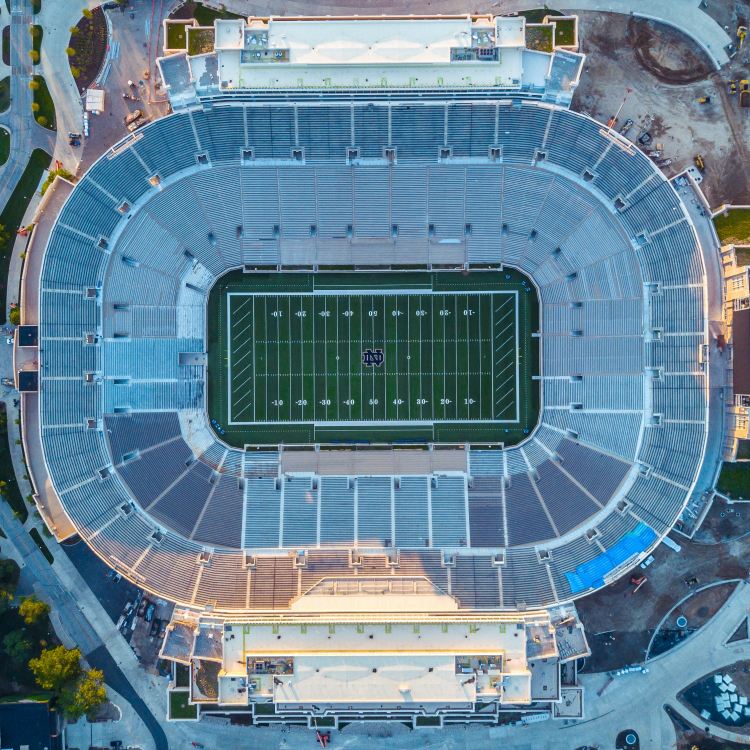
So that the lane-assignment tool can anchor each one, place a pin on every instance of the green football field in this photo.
(372, 357)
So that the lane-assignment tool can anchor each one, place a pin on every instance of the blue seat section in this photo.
(371, 130)
(486, 516)
(158, 149)
(90, 211)
(336, 511)
(521, 131)
(471, 129)
(574, 143)
(591, 574)
(138, 432)
(66, 314)
(181, 505)
(221, 132)
(72, 262)
(74, 454)
(374, 511)
(325, 132)
(300, 512)
(418, 131)
(411, 514)
(123, 176)
(218, 526)
(69, 359)
(153, 472)
(262, 513)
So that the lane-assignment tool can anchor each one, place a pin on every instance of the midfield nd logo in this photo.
(372, 357)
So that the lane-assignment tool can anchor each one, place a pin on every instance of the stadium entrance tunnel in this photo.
(373, 358)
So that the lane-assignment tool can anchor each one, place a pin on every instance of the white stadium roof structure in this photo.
(148, 229)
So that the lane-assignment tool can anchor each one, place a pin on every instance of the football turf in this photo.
(382, 357)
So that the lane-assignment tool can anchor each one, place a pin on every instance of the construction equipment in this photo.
(732, 87)
(699, 162)
(704, 100)
(644, 138)
(745, 93)
(625, 129)
(741, 34)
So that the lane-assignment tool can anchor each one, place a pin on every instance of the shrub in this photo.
(34, 55)
(70, 51)
(15, 316)
(34, 106)
(34, 85)
(42, 120)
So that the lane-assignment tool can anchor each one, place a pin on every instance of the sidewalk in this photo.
(129, 728)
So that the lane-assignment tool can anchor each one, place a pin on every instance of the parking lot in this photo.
(141, 618)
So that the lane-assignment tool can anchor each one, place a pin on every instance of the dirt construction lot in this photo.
(619, 623)
(662, 73)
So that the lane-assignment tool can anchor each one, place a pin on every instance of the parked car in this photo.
(149, 612)
(142, 607)
(154, 627)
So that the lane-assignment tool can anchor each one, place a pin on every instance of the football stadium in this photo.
(417, 362)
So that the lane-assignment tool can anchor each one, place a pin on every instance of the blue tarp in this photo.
(591, 574)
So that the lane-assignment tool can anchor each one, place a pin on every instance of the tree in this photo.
(42, 120)
(87, 13)
(35, 106)
(15, 316)
(75, 72)
(74, 30)
(34, 85)
(55, 668)
(35, 30)
(81, 698)
(17, 646)
(32, 609)
(34, 55)
(70, 51)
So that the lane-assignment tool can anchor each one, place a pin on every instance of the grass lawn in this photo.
(6, 45)
(182, 676)
(37, 537)
(565, 32)
(176, 38)
(743, 449)
(5, 94)
(734, 227)
(36, 6)
(207, 16)
(734, 481)
(200, 41)
(179, 707)
(540, 38)
(36, 38)
(46, 106)
(414, 357)
(12, 215)
(537, 14)
(10, 492)
(4, 145)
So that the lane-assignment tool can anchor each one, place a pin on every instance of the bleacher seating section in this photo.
(596, 225)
